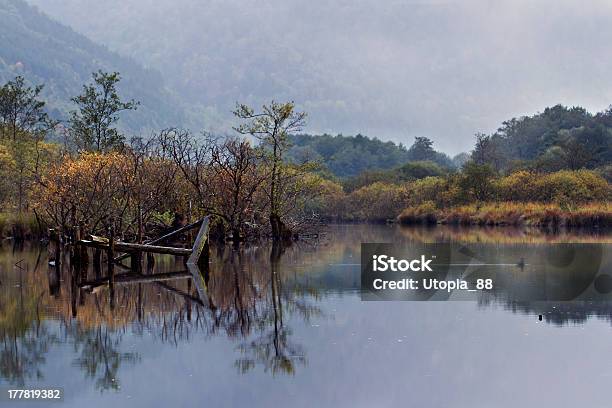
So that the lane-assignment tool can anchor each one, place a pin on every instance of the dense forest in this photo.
(44, 51)
(555, 139)
(349, 156)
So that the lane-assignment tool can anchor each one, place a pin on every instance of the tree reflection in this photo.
(99, 355)
(254, 296)
(24, 338)
(22, 354)
(272, 347)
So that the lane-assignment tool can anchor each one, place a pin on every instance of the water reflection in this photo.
(247, 295)
(99, 355)
(254, 298)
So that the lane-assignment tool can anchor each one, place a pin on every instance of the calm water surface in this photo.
(265, 328)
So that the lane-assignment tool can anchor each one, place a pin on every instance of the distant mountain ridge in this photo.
(44, 51)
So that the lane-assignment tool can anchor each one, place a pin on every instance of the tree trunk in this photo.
(280, 232)
(236, 237)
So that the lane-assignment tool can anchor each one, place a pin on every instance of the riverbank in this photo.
(593, 215)
(21, 226)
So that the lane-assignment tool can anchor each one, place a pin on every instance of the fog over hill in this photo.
(46, 52)
(394, 69)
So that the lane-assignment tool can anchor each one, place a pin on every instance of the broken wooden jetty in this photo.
(196, 259)
(193, 255)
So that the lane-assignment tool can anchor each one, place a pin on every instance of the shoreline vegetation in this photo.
(549, 170)
(592, 215)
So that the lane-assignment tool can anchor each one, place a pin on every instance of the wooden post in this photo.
(200, 243)
(111, 263)
(55, 262)
(136, 261)
(83, 254)
(74, 270)
(150, 262)
(54, 248)
(200, 280)
(97, 262)
(80, 252)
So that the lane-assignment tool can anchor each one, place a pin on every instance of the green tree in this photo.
(477, 181)
(22, 112)
(24, 124)
(421, 149)
(92, 125)
(486, 151)
(415, 170)
(272, 126)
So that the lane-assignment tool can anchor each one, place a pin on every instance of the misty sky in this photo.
(394, 69)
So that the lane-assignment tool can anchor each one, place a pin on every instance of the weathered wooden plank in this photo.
(130, 247)
(165, 237)
(199, 243)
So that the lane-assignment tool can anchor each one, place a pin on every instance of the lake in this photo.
(288, 328)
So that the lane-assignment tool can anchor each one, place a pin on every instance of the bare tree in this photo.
(236, 174)
(224, 174)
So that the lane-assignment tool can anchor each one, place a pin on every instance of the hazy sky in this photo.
(392, 69)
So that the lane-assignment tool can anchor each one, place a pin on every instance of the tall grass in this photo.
(512, 213)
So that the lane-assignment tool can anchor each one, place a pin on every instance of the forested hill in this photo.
(557, 138)
(348, 156)
(46, 52)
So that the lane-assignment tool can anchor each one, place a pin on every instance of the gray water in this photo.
(291, 330)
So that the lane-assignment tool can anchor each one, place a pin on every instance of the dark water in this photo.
(291, 330)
